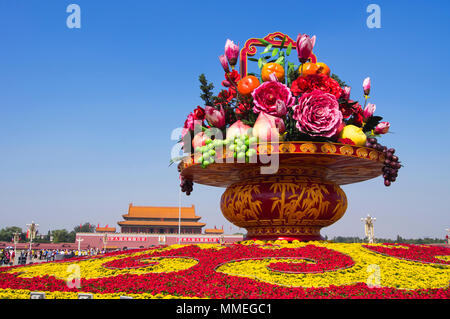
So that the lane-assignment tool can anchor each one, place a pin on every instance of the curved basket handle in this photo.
(274, 38)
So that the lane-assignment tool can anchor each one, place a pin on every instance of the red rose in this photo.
(309, 83)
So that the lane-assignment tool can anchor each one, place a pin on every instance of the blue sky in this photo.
(86, 114)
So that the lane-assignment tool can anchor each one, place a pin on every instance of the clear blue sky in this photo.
(86, 114)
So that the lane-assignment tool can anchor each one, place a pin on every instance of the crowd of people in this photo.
(8, 256)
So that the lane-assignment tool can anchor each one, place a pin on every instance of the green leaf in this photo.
(280, 60)
(282, 42)
(289, 48)
(275, 52)
(253, 59)
(267, 48)
(260, 63)
(263, 41)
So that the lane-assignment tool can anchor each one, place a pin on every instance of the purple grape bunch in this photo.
(391, 162)
(186, 186)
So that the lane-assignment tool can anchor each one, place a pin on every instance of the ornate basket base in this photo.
(284, 206)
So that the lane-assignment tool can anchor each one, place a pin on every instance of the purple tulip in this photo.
(382, 128)
(215, 117)
(224, 62)
(366, 86)
(231, 52)
(305, 45)
(369, 110)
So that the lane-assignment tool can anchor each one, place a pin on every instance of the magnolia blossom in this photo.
(224, 62)
(237, 129)
(366, 86)
(305, 45)
(369, 110)
(215, 117)
(346, 93)
(231, 52)
(382, 128)
(268, 127)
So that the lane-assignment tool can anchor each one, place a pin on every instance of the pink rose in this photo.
(318, 114)
(272, 97)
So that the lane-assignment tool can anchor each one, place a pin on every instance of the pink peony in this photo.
(318, 114)
(272, 97)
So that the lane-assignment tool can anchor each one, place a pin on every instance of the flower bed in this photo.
(247, 270)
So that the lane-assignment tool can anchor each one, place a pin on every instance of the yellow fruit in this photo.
(354, 133)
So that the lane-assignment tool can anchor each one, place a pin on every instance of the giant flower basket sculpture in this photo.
(282, 140)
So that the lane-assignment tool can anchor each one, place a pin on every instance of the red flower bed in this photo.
(414, 252)
(202, 280)
(324, 260)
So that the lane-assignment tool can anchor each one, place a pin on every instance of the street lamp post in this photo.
(368, 228)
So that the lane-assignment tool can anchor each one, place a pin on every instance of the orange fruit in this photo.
(270, 68)
(308, 68)
(247, 84)
(323, 68)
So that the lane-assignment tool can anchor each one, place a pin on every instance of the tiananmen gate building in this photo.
(160, 220)
(147, 226)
